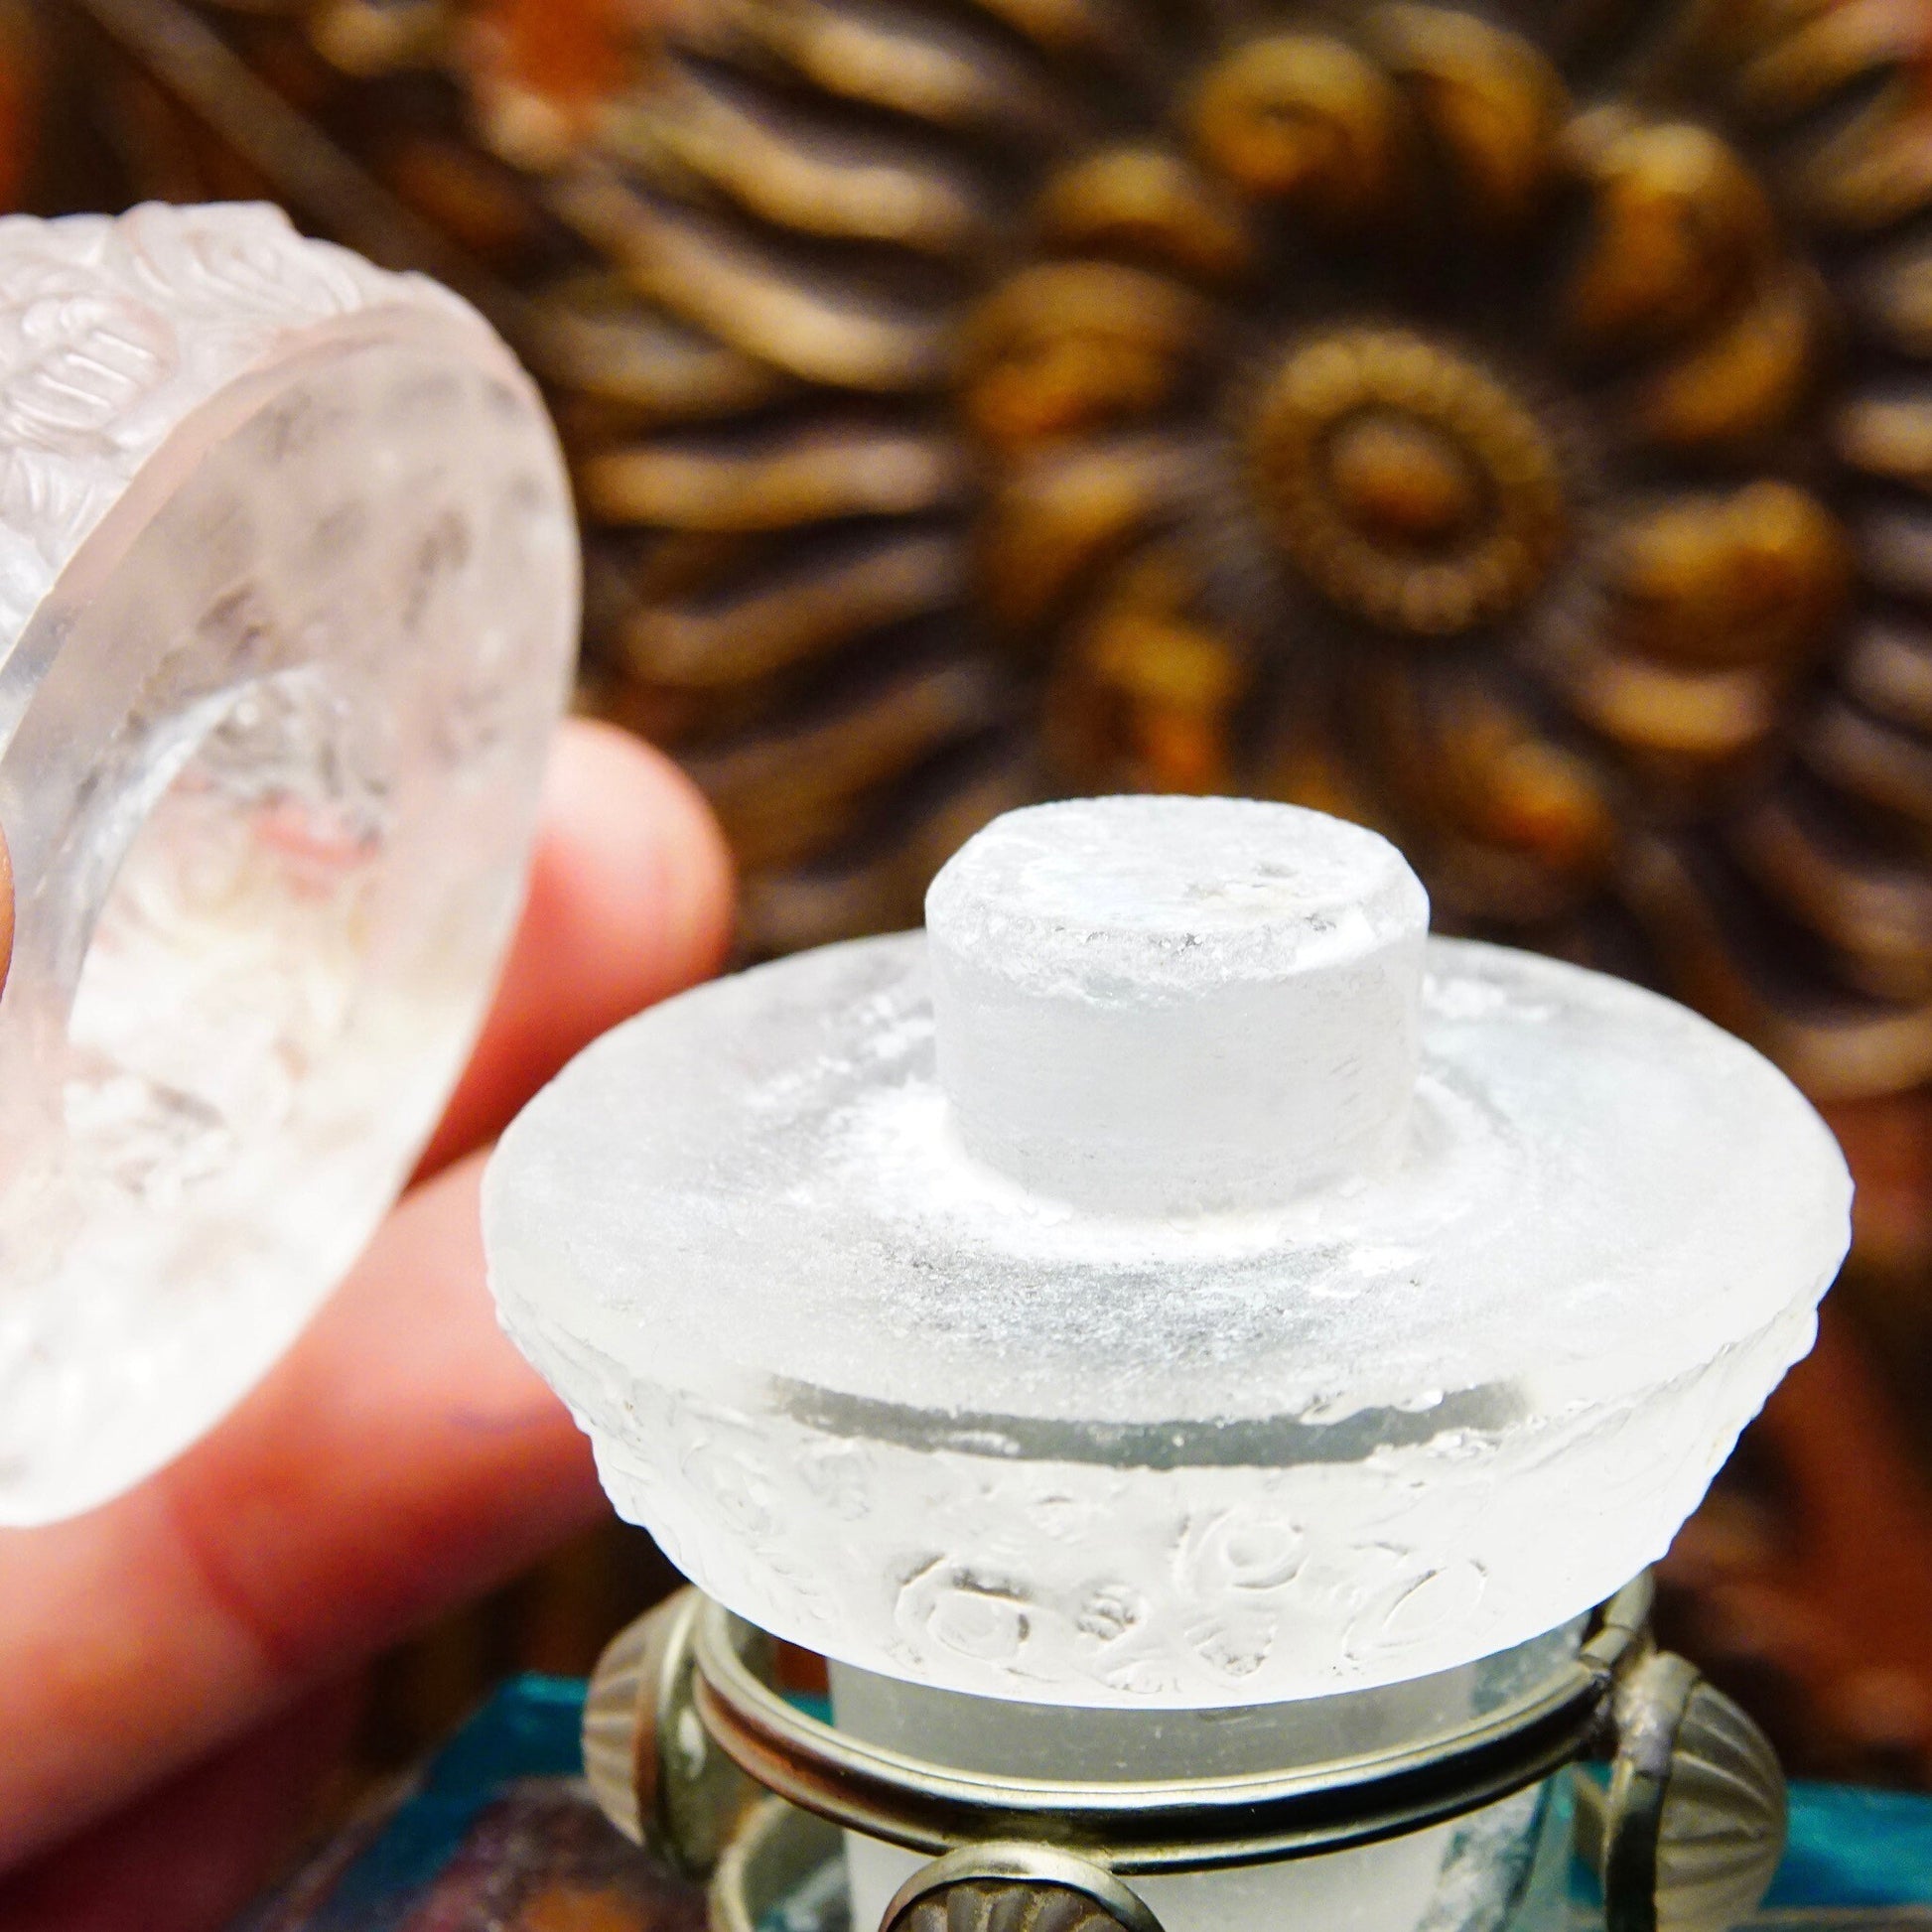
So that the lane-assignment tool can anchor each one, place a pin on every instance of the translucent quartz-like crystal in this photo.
(865, 1329)
(287, 608)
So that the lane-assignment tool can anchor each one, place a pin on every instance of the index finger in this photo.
(402, 1456)
(629, 899)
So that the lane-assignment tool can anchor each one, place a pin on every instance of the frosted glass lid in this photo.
(1169, 1278)
(287, 590)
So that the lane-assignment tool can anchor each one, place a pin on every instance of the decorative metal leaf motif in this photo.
(1689, 1832)
(1005, 1906)
(653, 1768)
(613, 1714)
(1722, 1828)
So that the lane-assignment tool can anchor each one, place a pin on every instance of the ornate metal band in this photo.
(1164, 1824)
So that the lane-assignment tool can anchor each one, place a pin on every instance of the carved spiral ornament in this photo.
(1507, 425)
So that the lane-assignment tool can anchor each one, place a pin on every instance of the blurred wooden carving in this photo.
(1513, 435)
(21, 81)
(1801, 1585)
(1508, 423)
(1511, 430)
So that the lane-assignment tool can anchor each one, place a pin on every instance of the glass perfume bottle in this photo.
(1202, 1359)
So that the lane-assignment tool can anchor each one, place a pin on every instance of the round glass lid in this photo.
(288, 598)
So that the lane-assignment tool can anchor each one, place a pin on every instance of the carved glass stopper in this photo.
(1170, 1281)
(288, 587)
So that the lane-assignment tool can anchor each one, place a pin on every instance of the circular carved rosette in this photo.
(1508, 425)
(1501, 426)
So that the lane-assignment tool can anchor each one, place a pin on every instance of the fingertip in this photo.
(641, 843)
(629, 900)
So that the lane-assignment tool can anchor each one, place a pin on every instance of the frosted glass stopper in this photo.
(895, 1363)
(1105, 972)
(288, 588)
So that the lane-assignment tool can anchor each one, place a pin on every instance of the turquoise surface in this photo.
(528, 1730)
(1854, 1846)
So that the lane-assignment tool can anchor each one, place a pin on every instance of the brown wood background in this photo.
(421, 131)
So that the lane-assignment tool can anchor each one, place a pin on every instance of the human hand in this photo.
(177, 1669)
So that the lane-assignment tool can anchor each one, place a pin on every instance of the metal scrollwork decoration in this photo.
(1686, 1833)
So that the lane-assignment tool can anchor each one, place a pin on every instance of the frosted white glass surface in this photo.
(881, 1397)
(288, 585)
(1155, 1012)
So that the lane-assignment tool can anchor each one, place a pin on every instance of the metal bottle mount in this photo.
(684, 1729)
